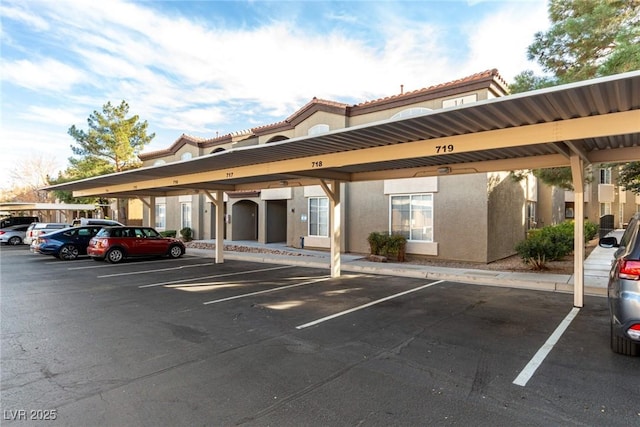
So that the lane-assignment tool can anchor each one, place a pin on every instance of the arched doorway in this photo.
(244, 220)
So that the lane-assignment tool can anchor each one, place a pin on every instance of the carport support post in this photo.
(151, 205)
(218, 202)
(333, 194)
(577, 172)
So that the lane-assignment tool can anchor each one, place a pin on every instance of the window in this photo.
(605, 209)
(410, 112)
(319, 216)
(531, 215)
(185, 215)
(161, 217)
(318, 129)
(159, 162)
(605, 176)
(186, 156)
(412, 216)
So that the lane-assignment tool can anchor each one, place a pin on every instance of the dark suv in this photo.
(117, 243)
(624, 289)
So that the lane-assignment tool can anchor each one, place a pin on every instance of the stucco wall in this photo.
(506, 215)
(367, 210)
(460, 217)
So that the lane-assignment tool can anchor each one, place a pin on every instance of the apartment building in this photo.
(489, 212)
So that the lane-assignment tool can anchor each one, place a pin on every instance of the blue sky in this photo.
(208, 68)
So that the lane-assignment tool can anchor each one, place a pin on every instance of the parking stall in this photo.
(257, 343)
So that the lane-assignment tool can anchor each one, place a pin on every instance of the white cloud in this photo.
(192, 75)
(501, 40)
(47, 74)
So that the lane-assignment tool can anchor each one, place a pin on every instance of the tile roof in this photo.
(476, 81)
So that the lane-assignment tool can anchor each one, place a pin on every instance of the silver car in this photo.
(624, 289)
(13, 234)
(38, 228)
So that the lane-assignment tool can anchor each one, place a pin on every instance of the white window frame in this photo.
(411, 227)
(605, 176)
(318, 218)
(605, 209)
(161, 216)
(318, 129)
(410, 112)
(185, 215)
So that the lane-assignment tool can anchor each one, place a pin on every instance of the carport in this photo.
(47, 210)
(590, 122)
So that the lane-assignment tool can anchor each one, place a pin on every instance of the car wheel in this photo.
(15, 240)
(175, 251)
(622, 345)
(115, 255)
(68, 253)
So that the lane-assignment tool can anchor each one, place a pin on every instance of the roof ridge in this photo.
(491, 73)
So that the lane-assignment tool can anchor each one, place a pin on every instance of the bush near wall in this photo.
(551, 243)
(381, 243)
(186, 234)
(168, 233)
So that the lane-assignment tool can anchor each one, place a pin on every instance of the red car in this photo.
(117, 243)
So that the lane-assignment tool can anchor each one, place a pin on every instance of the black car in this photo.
(624, 289)
(67, 243)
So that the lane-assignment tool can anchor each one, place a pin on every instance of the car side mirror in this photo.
(608, 242)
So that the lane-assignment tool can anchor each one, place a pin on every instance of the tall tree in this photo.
(587, 39)
(111, 144)
(629, 177)
(111, 137)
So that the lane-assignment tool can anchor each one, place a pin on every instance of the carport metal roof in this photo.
(598, 120)
(572, 125)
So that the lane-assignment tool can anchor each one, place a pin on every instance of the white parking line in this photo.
(173, 282)
(266, 291)
(156, 270)
(351, 310)
(104, 264)
(528, 371)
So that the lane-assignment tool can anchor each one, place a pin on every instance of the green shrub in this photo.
(551, 243)
(187, 234)
(381, 243)
(168, 233)
(590, 230)
(377, 241)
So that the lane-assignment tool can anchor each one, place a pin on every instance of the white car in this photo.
(37, 228)
(13, 234)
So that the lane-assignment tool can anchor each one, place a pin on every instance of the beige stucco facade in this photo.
(489, 212)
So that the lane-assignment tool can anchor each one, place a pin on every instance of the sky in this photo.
(209, 68)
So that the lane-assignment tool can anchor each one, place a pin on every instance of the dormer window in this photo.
(410, 112)
(186, 156)
(159, 162)
(318, 129)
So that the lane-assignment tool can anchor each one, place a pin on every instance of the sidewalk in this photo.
(596, 267)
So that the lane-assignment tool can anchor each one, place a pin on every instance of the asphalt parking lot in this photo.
(189, 342)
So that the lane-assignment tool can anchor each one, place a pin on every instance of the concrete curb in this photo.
(533, 281)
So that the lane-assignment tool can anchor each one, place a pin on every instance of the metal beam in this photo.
(537, 162)
(627, 154)
(218, 202)
(577, 172)
(335, 224)
(585, 127)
